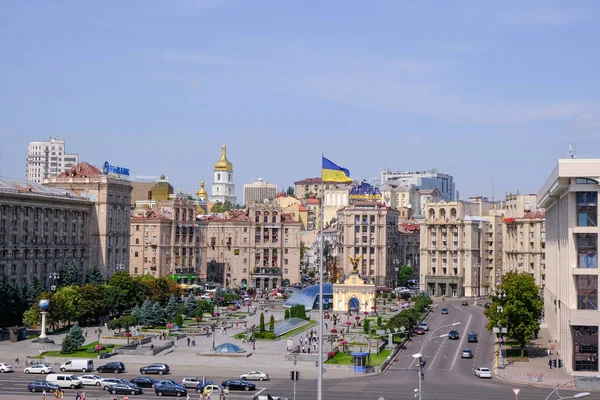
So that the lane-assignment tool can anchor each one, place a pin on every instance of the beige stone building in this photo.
(336, 198)
(165, 240)
(402, 197)
(570, 198)
(157, 190)
(313, 217)
(524, 237)
(369, 231)
(110, 217)
(410, 246)
(258, 248)
(41, 228)
(292, 206)
(259, 191)
(456, 241)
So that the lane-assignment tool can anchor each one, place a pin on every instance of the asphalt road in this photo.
(447, 376)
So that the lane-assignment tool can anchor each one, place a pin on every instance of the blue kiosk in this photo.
(360, 361)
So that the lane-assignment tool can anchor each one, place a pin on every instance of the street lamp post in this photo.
(213, 335)
(419, 355)
(55, 276)
(576, 396)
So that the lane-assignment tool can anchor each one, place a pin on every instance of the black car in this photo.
(144, 381)
(465, 303)
(159, 369)
(170, 389)
(444, 311)
(453, 335)
(238, 384)
(472, 337)
(115, 367)
(40, 386)
(125, 388)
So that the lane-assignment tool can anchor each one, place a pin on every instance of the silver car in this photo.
(466, 353)
(39, 369)
(6, 368)
(191, 382)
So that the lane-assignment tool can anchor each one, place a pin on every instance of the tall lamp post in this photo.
(55, 276)
(500, 294)
(419, 355)
(576, 396)
(213, 326)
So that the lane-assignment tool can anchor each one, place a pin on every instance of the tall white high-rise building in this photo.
(259, 191)
(45, 159)
(423, 180)
(223, 188)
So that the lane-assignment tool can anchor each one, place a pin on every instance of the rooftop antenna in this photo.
(573, 150)
(493, 195)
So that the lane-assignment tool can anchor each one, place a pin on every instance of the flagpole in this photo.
(320, 339)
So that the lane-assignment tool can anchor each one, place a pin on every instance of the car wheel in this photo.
(97, 383)
(143, 372)
(84, 370)
(72, 386)
(160, 393)
(132, 392)
(114, 392)
(198, 391)
(178, 394)
(116, 371)
(246, 388)
(63, 369)
(243, 378)
(2, 371)
(43, 372)
(261, 379)
(32, 390)
(105, 388)
(160, 372)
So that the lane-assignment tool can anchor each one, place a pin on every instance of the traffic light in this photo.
(416, 393)
(560, 363)
(554, 363)
(294, 375)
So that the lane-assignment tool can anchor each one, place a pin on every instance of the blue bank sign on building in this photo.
(113, 169)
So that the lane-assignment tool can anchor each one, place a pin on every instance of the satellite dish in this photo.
(409, 206)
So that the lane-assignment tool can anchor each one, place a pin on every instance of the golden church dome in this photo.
(202, 192)
(223, 164)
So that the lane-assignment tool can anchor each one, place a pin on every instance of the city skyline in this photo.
(482, 92)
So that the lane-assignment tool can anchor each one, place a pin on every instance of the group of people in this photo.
(311, 340)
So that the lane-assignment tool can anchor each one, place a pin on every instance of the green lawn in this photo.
(296, 331)
(80, 353)
(346, 359)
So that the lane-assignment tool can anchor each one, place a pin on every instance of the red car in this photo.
(420, 331)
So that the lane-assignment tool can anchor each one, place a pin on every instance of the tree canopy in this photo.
(516, 306)
(404, 274)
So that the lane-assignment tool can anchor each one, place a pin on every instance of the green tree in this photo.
(272, 324)
(379, 321)
(518, 308)
(32, 318)
(286, 314)
(11, 305)
(261, 325)
(171, 309)
(76, 334)
(70, 274)
(68, 346)
(129, 287)
(367, 326)
(179, 320)
(190, 305)
(64, 305)
(34, 290)
(162, 290)
(92, 304)
(93, 276)
(158, 314)
(404, 274)
(136, 314)
(290, 192)
(145, 317)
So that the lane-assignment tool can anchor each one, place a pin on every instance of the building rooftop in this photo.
(22, 186)
(82, 170)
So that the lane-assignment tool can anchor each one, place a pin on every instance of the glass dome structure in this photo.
(309, 296)
(229, 348)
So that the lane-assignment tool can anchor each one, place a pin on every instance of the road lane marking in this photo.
(460, 343)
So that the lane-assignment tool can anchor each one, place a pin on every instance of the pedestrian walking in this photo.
(83, 395)
(17, 362)
(77, 395)
(188, 340)
(550, 363)
(125, 397)
(44, 394)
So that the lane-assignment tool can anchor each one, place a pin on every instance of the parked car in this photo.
(168, 381)
(238, 384)
(144, 381)
(192, 382)
(159, 369)
(420, 331)
(78, 365)
(444, 311)
(170, 389)
(472, 337)
(108, 382)
(116, 367)
(465, 303)
(209, 388)
(466, 353)
(39, 369)
(255, 376)
(424, 325)
(91, 380)
(6, 368)
(483, 372)
(125, 388)
(65, 380)
(453, 335)
(40, 386)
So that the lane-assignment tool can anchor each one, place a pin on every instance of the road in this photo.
(447, 376)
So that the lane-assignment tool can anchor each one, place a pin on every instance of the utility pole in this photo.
(295, 356)
(420, 371)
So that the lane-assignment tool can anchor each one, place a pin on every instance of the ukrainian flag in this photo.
(334, 173)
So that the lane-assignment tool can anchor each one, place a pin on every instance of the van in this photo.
(65, 380)
(78, 365)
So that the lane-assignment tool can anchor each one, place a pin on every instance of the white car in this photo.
(39, 369)
(6, 368)
(91, 380)
(255, 376)
(424, 325)
(483, 373)
(108, 382)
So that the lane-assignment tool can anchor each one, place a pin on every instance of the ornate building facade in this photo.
(223, 188)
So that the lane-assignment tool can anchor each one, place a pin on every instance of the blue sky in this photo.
(485, 91)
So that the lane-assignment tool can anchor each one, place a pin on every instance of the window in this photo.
(587, 250)
(137, 241)
(137, 228)
(585, 348)
(587, 208)
(587, 292)
(585, 181)
(136, 254)
(357, 229)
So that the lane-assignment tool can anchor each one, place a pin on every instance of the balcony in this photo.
(266, 271)
(186, 271)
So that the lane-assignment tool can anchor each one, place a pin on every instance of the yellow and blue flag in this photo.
(334, 173)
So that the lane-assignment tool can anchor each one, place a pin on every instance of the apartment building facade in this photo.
(45, 159)
(369, 232)
(42, 228)
(431, 179)
(259, 191)
(257, 248)
(409, 241)
(110, 217)
(570, 198)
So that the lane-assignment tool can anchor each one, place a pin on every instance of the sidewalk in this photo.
(535, 370)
